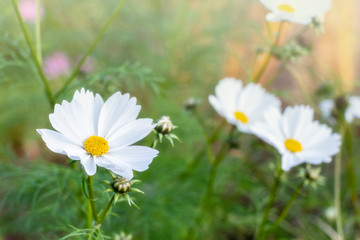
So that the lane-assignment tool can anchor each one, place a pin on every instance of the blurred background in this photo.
(162, 52)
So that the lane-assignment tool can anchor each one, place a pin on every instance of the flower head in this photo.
(297, 137)
(241, 105)
(56, 64)
(27, 10)
(296, 11)
(352, 110)
(100, 133)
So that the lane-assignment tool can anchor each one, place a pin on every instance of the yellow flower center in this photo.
(96, 145)
(241, 117)
(292, 145)
(286, 8)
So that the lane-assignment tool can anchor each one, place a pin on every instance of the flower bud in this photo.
(341, 104)
(312, 174)
(164, 125)
(330, 213)
(190, 104)
(121, 185)
(318, 23)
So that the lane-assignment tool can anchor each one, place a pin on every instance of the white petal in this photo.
(131, 133)
(137, 157)
(70, 119)
(216, 105)
(326, 106)
(269, 4)
(58, 143)
(290, 160)
(89, 165)
(117, 111)
(115, 165)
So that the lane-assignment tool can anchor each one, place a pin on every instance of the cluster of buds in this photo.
(123, 236)
(164, 128)
(291, 51)
(312, 176)
(121, 187)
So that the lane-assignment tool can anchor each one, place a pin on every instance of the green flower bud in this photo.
(164, 125)
(190, 104)
(121, 185)
(341, 105)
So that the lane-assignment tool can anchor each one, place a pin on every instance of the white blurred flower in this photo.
(27, 10)
(100, 134)
(352, 111)
(296, 11)
(241, 105)
(297, 137)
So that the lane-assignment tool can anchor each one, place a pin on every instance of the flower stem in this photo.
(257, 76)
(348, 141)
(91, 48)
(89, 182)
(337, 198)
(289, 204)
(105, 210)
(210, 185)
(270, 203)
(48, 92)
(195, 161)
(38, 33)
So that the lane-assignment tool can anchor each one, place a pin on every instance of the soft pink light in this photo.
(27, 10)
(56, 64)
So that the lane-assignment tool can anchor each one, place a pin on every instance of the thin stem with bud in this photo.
(33, 54)
(257, 76)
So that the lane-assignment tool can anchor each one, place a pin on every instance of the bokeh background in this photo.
(164, 52)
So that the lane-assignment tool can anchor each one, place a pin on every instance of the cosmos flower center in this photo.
(96, 145)
(292, 145)
(241, 117)
(286, 8)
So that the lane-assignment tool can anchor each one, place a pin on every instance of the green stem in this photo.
(262, 69)
(270, 203)
(89, 182)
(91, 48)
(276, 75)
(39, 69)
(210, 185)
(208, 139)
(38, 33)
(337, 197)
(105, 210)
(348, 141)
(89, 215)
(285, 212)
(195, 161)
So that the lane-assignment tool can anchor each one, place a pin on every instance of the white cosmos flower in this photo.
(296, 11)
(100, 134)
(297, 137)
(241, 105)
(352, 111)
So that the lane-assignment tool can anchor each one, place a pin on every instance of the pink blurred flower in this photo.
(27, 10)
(56, 64)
